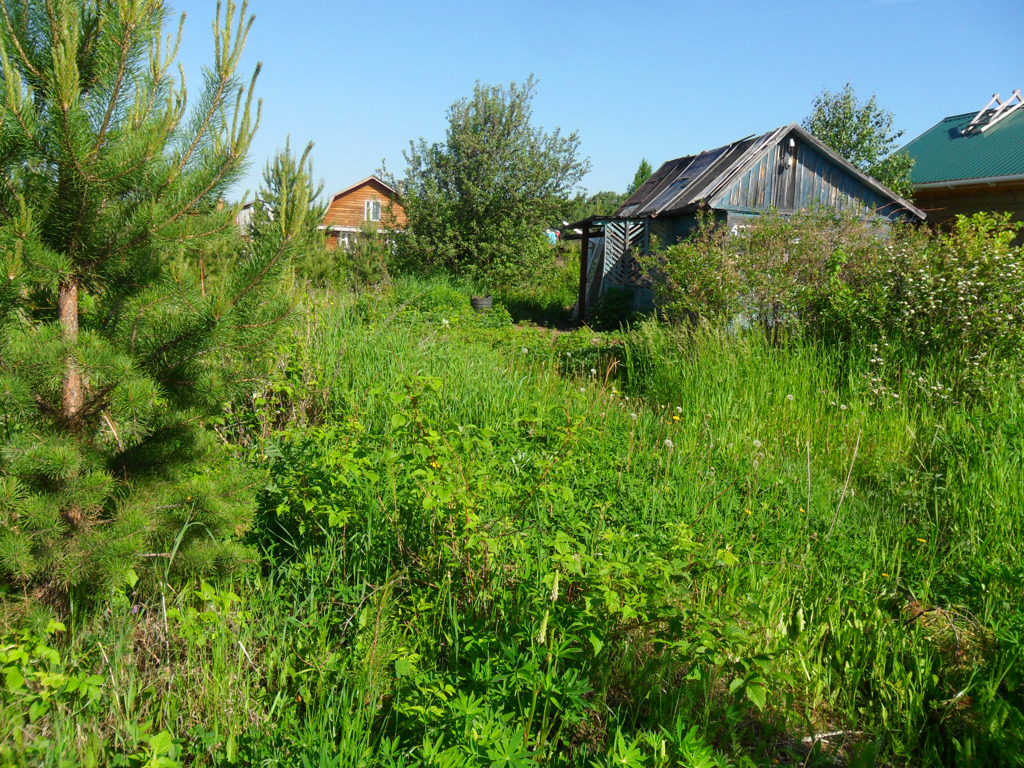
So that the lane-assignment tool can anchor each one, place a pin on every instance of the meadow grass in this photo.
(488, 544)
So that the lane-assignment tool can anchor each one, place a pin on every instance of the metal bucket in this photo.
(481, 303)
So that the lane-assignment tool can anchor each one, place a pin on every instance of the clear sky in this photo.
(648, 79)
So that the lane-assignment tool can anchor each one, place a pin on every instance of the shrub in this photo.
(954, 296)
(694, 279)
(957, 294)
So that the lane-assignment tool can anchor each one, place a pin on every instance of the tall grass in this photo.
(487, 544)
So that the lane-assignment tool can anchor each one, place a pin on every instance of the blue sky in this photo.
(655, 79)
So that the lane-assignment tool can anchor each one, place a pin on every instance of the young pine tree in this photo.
(290, 203)
(113, 350)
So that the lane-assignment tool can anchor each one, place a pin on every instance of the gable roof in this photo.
(682, 185)
(370, 178)
(945, 153)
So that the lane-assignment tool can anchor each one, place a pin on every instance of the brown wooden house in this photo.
(972, 162)
(367, 200)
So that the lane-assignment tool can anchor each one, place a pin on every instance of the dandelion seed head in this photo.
(669, 443)
(679, 409)
(757, 444)
(790, 398)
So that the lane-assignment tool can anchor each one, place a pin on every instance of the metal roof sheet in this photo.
(943, 153)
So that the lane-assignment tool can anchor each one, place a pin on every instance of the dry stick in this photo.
(828, 735)
(842, 496)
(117, 437)
(807, 509)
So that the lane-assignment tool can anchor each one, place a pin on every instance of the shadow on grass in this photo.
(543, 311)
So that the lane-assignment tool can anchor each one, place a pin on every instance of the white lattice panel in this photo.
(622, 238)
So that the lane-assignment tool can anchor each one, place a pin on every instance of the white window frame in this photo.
(369, 208)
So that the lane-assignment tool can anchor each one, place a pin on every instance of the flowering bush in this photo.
(953, 296)
(958, 295)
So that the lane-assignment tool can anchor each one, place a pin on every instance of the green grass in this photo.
(486, 544)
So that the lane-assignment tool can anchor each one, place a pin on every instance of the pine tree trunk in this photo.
(67, 306)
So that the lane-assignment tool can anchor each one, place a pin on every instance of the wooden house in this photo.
(785, 170)
(368, 200)
(972, 162)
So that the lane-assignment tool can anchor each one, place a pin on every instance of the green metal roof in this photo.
(943, 153)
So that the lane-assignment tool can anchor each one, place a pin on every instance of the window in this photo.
(373, 210)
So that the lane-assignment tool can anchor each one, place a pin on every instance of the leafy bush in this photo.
(957, 296)
(952, 296)
(694, 279)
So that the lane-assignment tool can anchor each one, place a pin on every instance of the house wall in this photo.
(943, 205)
(348, 210)
(800, 178)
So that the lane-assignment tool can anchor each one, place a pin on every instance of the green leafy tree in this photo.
(643, 173)
(862, 133)
(113, 351)
(477, 203)
(598, 204)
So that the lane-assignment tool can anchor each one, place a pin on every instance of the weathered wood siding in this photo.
(349, 209)
(801, 178)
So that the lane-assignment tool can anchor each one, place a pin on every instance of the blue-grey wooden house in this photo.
(785, 170)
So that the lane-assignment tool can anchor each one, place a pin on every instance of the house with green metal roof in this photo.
(972, 162)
